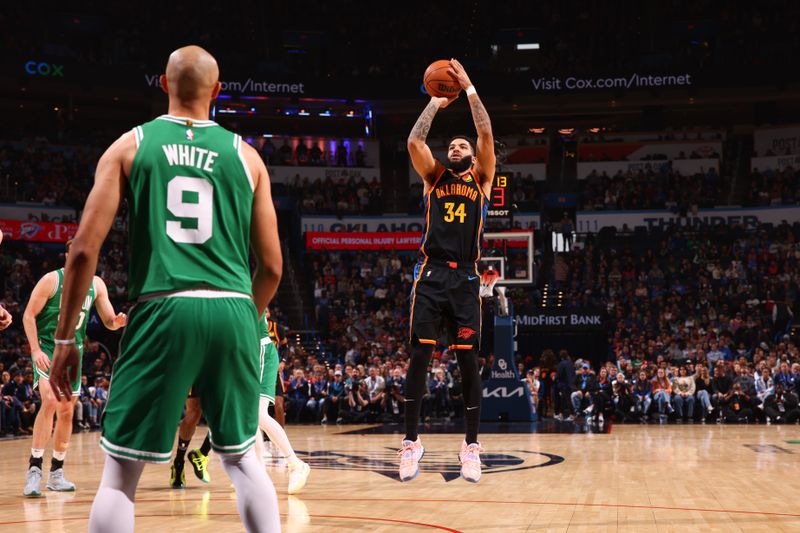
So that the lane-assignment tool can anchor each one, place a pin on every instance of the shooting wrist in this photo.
(470, 90)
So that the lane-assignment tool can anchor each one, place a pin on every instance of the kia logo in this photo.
(51, 70)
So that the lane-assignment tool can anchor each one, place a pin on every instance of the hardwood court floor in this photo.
(637, 479)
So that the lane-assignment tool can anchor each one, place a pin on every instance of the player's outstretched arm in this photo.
(98, 215)
(43, 290)
(263, 233)
(105, 309)
(421, 156)
(485, 165)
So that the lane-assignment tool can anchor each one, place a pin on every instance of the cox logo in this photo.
(36, 68)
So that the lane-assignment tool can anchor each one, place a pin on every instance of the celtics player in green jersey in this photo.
(39, 321)
(198, 199)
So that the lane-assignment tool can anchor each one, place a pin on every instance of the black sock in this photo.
(55, 464)
(416, 383)
(183, 445)
(205, 448)
(35, 461)
(471, 380)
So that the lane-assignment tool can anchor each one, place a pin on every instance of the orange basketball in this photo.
(438, 82)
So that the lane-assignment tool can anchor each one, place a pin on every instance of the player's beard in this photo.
(461, 165)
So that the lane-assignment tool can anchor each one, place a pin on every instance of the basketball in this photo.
(438, 82)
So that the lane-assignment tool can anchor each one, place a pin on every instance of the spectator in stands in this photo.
(623, 398)
(358, 403)
(12, 406)
(439, 400)
(584, 387)
(376, 386)
(683, 388)
(785, 378)
(601, 397)
(643, 394)
(703, 389)
(395, 395)
(720, 387)
(565, 383)
(336, 397)
(736, 406)
(764, 385)
(299, 394)
(782, 407)
(28, 399)
(534, 386)
(662, 392)
(318, 394)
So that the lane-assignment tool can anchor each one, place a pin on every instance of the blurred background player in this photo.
(198, 457)
(277, 334)
(298, 470)
(39, 320)
(199, 198)
(446, 281)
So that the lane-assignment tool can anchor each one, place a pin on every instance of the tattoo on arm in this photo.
(479, 115)
(423, 125)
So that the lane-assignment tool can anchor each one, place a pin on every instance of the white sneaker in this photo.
(570, 418)
(410, 455)
(470, 461)
(298, 475)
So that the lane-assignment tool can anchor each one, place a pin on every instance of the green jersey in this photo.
(190, 197)
(47, 319)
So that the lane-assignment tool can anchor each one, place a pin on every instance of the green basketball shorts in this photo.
(172, 344)
(269, 369)
(41, 374)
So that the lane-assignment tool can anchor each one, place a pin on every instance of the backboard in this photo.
(510, 253)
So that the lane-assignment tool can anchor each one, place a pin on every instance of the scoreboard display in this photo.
(500, 202)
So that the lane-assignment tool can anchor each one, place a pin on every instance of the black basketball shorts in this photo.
(446, 300)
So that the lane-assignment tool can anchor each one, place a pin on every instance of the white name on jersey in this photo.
(190, 156)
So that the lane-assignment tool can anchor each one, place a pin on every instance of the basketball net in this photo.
(489, 279)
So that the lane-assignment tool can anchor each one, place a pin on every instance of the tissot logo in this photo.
(384, 462)
(40, 68)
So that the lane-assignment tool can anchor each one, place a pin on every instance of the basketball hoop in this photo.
(488, 280)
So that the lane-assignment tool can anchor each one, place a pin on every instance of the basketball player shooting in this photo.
(446, 282)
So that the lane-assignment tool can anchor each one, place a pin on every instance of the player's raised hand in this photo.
(457, 71)
(64, 369)
(120, 321)
(442, 101)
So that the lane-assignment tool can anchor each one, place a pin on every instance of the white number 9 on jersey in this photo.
(201, 210)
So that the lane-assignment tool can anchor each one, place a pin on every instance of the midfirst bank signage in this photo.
(566, 320)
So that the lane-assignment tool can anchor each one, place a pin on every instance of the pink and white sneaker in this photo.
(470, 461)
(410, 453)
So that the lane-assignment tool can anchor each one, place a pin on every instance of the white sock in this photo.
(255, 495)
(113, 508)
(59, 456)
(275, 431)
(37, 452)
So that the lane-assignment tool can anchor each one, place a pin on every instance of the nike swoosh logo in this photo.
(470, 278)
(471, 408)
